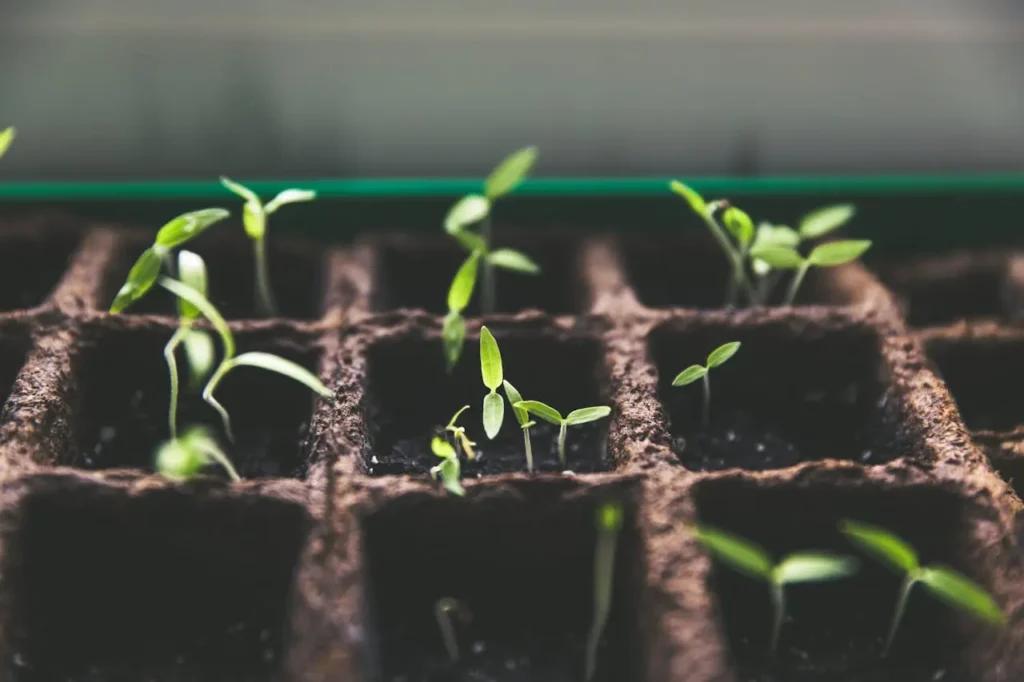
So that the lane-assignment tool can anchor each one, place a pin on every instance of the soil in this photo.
(32, 261)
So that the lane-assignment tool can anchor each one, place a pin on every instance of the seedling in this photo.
(609, 522)
(523, 417)
(753, 561)
(461, 290)
(490, 370)
(183, 458)
(943, 582)
(823, 256)
(254, 219)
(443, 611)
(449, 469)
(718, 356)
(584, 415)
(476, 208)
(6, 138)
(459, 434)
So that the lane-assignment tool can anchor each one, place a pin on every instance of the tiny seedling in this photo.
(449, 469)
(183, 458)
(718, 356)
(549, 414)
(254, 219)
(523, 417)
(753, 561)
(943, 582)
(459, 434)
(490, 370)
(6, 138)
(459, 294)
(826, 255)
(444, 609)
(609, 523)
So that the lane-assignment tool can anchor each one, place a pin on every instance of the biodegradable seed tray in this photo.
(325, 562)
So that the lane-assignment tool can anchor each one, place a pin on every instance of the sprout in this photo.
(523, 417)
(459, 434)
(549, 414)
(490, 370)
(454, 332)
(823, 256)
(6, 138)
(689, 375)
(443, 610)
(254, 219)
(756, 563)
(945, 583)
(824, 220)
(230, 361)
(609, 522)
(449, 469)
(183, 458)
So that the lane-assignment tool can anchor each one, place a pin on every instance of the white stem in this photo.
(707, 399)
(561, 443)
(901, 606)
(529, 449)
(172, 367)
(265, 303)
(779, 605)
(604, 567)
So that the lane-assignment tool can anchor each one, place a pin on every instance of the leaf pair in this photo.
(493, 376)
(823, 256)
(584, 415)
(449, 469)
(254, 212)
(717, 357)
(459, 434)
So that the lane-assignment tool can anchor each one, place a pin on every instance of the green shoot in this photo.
(824, 256)
(459, 294)
(449, 469)
(523, 417)
(943, 582)
(490, 370)
(254, 219)
(718, 356)
(767, 278)
(183, 458)
(230, 361)
(609, 522)
(824, 220)
(459, 434)
(755, 562)
(549, 414)
(443, 610)
(6, 138)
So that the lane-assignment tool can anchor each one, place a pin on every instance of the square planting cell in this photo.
(521, 571)
(14, 344)
(32, 264)
(795, 391)
(410, 398)
(122, 397)
(835, 631)
(417, 273)
(160, 586)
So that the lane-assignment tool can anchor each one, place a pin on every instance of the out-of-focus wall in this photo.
(192, 88)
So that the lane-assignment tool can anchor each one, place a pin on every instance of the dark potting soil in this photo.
(31, 266)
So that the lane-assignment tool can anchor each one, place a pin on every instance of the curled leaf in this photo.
(468, 210)
(188, 225)
(275, 363)
(510, 259)
(690, 375)
(739, 224)
(722, 354)
(838, 253)
(240, 189)
(695, 200)
(141, 278)
(455, 418)
(442, 448)
(289, 196)
(825, 220)
(510, 172)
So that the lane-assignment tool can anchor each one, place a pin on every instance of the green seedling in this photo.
(444, 609)
(6, 138)
(491, 372)
(183, 458)
(459, 294)
(254, 219)
(753, 561)
(584, 415)
(943, 582)
(459, 434)
(609, 523)
(230, 361)
(523, 417)
(476, 208)
(823, 256)
(718, 356)
(449, 469)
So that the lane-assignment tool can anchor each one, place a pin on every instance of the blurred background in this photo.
(118, 89)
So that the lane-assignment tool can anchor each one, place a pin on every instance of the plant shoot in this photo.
(717, 357)
(6, 138)
(449, 470)
(459, 434)
(490, 370)
(609, 523)
(444, 609)
(461, 291)
(183, 458)
(826, 255)
(523, 417)
(584, 415)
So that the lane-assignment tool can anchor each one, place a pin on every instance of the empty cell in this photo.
(521, 571)
(32, 264)
(410, 398)
(795, 391)
(13, 349)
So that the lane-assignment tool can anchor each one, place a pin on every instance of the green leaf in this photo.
(741, 554)
(141, 278)
(722, 354)
(779, 257)
(539, 409)
(192, 272)
(176, 460)
(453, 334)
(289, 196)
(442, 448)
(188, 225)
(490, 360)
(240, 189)
(609, 517)
(450, 472)
(512, 260)
(470, 241)
(200, 353)
(510, 172)
(494, 414)
(824, 220)
(254, 220)
(810, 567)
(961, 592)
(292, 370)
(882, 544)
(6, 138)
(522, 416)
(739, 224)
(776, 235)
(587, 414)
(461, 290)
(455, 417)
(206, 308)
(200, 440)
(470, 209)
(838, 253)
(695, 200)
(690, 375)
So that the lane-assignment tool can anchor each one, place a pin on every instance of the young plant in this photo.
(718, 356)
(459, 434)
(753, 561)
(584, 415)
(444, 609)
(609, 523)
(491, 372)
(6, 138)
(826, 255)
(943, 582)
(459, 294)
(449, 469)
(475, 208)
(254, 219)
(523, 417)
(183, 458)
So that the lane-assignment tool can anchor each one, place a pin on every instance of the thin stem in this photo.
(794, 286)
(561, 442)
(442, 611)
(218, 456)
(901, 606)
(604, 565)
(529, 449)
(779, 604)
(172, 367)
(738, 278)
(489, 294)
(265, 303)
(707, 399)
(211, 386)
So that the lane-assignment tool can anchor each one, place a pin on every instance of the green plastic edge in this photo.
(368, 188)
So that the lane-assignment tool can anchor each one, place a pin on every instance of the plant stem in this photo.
(529, 449)
(604, 566)
(442, 611)
(489, 293)
(737, 279)
(779, 604)
(794, 286)
(211, 386)
(172, 367)
(561, 442)
(901, 606)
(265, 304)
(707, 399)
